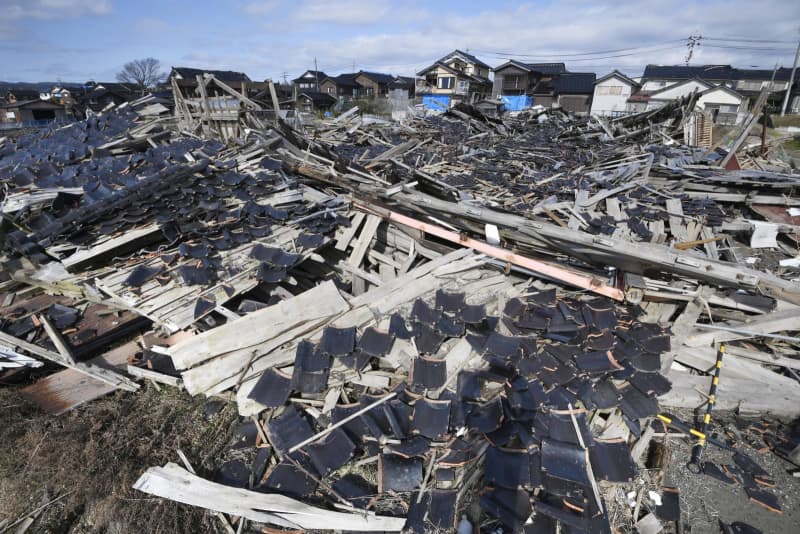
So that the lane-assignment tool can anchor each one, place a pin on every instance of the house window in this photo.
(601, 90)
(615, 90)
(463, 85)
(330, 90)
(10, 115)
(447, 82)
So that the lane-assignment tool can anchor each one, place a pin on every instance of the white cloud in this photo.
(52, 9)
(562, 30)
(260, 8)
(345, 12)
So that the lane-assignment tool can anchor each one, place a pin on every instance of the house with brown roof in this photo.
(459, 76)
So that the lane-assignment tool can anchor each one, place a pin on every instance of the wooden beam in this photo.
(176, 483)
(557, 273)
(786, 320)
(103, 375)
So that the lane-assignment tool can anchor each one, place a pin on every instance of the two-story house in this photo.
(309, 81)
(515, 78)
(456, 77)
(611, 93)
(746, 82)
(342, 87)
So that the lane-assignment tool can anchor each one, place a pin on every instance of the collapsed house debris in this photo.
(410, 318)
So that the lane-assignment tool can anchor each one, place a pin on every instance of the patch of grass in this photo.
(792, 144)
(99, 450)
(786, 120)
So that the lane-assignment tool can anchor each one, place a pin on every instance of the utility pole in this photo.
(692, 42)
(791, 81)
(316, 74)
(285, 78)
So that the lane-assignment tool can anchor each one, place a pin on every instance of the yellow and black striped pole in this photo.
(697, 450)
(674, 422)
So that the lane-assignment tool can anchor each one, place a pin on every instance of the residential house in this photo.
(343, 87)
(186, 80)
(611, 93)
(373, 83)
(308, 81)
(515, 78)
(572, 91)
(726, 105)
(406, 83)
(675, 91)
(456, 77)
(18, 95)
(32, 112)
(100, 95)
(545, 84)
(657, 77)
(746, 82)
(314, 101)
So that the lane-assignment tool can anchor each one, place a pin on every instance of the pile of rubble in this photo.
(454, 322)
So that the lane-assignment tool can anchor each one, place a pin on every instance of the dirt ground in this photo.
(96, 452)
(705, 501)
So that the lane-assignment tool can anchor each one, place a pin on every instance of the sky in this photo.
(81, 40)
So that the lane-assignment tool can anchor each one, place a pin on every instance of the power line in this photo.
(556, 54)
(754, 48)
(743, 40)
(554, 59)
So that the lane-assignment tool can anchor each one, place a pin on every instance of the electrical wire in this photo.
(598, 52)
(744, 40)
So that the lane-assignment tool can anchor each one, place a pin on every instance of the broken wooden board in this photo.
(779, 321)
(747, 396)
(223, 354)
(377, 302)
(177, 484)
(96, 372)
(67, 389)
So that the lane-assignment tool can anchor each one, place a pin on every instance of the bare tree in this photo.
(145, 73)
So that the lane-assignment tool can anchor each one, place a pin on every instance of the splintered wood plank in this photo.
(364, 240)
(177, 484)
(683, 325)
(380, 300)
(349, 233)
(172, 305)
(249, 331)
(676, 226)
(130, 240)
(778, 321)
(744, 395)
(101, 374)
(711, 246)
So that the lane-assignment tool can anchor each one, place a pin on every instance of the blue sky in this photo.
(79, 40)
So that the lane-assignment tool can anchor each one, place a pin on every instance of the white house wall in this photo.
(610, 97)
(718, 97)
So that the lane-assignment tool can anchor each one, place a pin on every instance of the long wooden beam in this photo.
(551, 271)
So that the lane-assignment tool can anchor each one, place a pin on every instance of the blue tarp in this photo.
(517, 103)
(436, 102)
